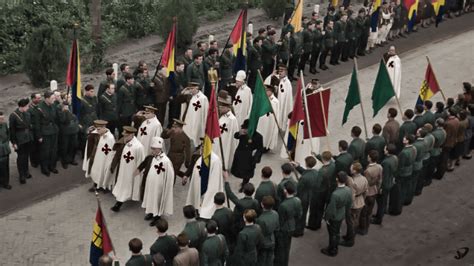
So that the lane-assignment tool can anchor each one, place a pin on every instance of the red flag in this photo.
(318, 104)
(101, 243)
(296, 116)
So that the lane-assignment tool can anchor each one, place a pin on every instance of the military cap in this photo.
(177, 122)
(224, 101)
(193, 84)
(150, 108)
(100, 123)
(129, 130)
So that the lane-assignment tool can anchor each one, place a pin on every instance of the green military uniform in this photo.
(429, 117)
(144, 91)
(419, 167)
(361, 33)
(167, 246)
(266, 188)
(126, 105)
(289, 211)
(407, 158)
(307, 46)
(316, 48)
(108, 110)
(440, 137)
(357, 149)
(214, 251)
(296, 49)
(254, 62)
(419, 120)
(339, 203)
(343, 162)
(270, 224)
(350, 49)
(46, 129)
(269, 51)
(341, 40)
(280, 196)
(34, 150)
(328, 45)
(284, 50)
(196, 232)
(377, 143)
(241, 205)
(390, 167)
(320, 194)
(88, 113)
(68, 136)
(103, 86)
(249, 241)
(21, 135)
(226, 63)
(195, 73)
(224, 218)
(309, 179)
(407, 128)
(4, 155)
(139, 260)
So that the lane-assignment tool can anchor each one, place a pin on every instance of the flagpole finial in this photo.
(212, 73)
(175, 18)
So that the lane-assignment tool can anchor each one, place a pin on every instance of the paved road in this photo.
(57, 230)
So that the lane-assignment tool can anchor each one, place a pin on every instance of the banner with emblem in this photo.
(101, 243)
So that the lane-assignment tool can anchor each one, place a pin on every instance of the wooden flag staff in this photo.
(360, 98)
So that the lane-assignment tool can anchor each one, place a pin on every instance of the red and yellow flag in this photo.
(238, 39)
(101, 243)
(73, 78)
(168, 57)
(429, 87)
(296, 116)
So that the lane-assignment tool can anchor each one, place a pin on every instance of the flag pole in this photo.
(306, 112)
(103, 221)
(440, 90)
(394, 92)
(324, 120)
(360, 97)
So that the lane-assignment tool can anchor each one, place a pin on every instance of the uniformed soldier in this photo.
(419, 119)
(321, 193)
(68, 135)
(296, 49)
(406, 160)
(328, 44)
(165, 244)
(266, 187)
(344, 159)
(161, 90)
(408, 127)
(211, 59)
(376, 143)
(289, 211)
(88, 113)
(340, 39)
(46, 132)
(350, 48)
(254, 61)
(195, 71)
(126, 105)
(224, 218)
(187, 57)
(284, 49)
(390, 169)
(286, 170)
(307, 36)
(391, 129)
(226, 64)
(269, 222)
(174, 111)
(249, 241)
(357, 146)
(4, 153)
(144, 88)
(440, 137)
(317, 46)
(309, 181)
(339, 204)
(269, 52)
(362, 31)
(428, 116)
(110, 79)
(419, 166)
(21, 137)
(138, 259)
(214, 249)
(180, 146)
(33, 111)
(194, 229)
(124, 68)
(108, 108)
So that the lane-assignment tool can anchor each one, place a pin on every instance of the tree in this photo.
(274, 8)
(187, 21)
(45, 57)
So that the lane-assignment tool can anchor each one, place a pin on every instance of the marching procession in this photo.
(209, 116)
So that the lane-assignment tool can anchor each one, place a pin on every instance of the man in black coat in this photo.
(245, 161)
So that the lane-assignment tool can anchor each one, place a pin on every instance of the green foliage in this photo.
(274, 8)
(45, 56)
(187, 21)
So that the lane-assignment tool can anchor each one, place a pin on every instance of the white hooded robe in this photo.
(196, 117)
(242, 103)
(267, 126)
(148, 129)
(229, 126)
(103, 157)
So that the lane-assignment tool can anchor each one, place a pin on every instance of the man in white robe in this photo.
(195, 113)
(284, 95)
(98, 156)
(149, 128)
(157, 184)
(228, 126)
(394, 67)
(267, 126)
(205, 203)
(243, 98)
(129, 155)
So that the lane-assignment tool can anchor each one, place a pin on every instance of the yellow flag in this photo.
(334, 3)
(297, 17)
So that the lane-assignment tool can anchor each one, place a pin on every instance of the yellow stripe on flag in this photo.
(297, 17)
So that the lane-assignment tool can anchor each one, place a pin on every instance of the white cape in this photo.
(128, 185)
(103, 158)
(196, 117)
(285, 97)
(394, 67)
(229, 126)
(148, 129)
(242, 103)
(158, 194)
(205, 203)
(303, 147)
(267, 126)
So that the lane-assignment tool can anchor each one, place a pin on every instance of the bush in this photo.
(187, 21)
(45, 58)
(274, 8)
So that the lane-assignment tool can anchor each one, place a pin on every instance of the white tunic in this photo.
(228, 125)
(196, 117)
(148, 129)
(205, 203)
(285, 97)
(158, 194)
(128, 185)
(267, 126)
(103, 158)
(242, 103)
(394, 67)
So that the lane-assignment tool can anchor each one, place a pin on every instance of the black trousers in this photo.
(292, 65)
(23, 153)
(316, 210)
(362, 44)
(67, 147)
(420, 182)
(395, 205)
(161, 113)
(345, 50)
(336, 52)
(267, 69)
(35, 153)
(314, 57)
(49, 152)
(322, 57)
(282, 248)
(112, 126)
(366, 214)
(432, 166)
(334, 236)
(174, 111)
(301, 223)
(443, 163)
(303, 59)
(382, 200)
(4, 170)
(350, 233)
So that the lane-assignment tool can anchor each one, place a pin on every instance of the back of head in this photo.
(310, 161)
(286, 168)
(189, 212)
(135, 245)
(409, 113)
(410, 138)
(342, 177)
(419, 108)
(357, 167)
(250, 215)
(290, 188)
(374, 155)
(392, 112)
(266, 172)
(376, 129)
(162, 225)
(392, 149)
(326, 156)
(356, 131)
(428, 104)
(183, 240)
(248, 189)
(211, 227)
(219, 198)
(105, 260)
(343, 145)
(268, 202)
(158, 260)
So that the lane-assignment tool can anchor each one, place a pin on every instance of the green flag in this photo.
(383, 89)
(260, 106)
(353, 97)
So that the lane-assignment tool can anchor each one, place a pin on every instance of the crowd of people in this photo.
(132, 149)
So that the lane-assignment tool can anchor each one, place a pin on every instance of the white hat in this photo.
(157, 143)
(240, 76)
